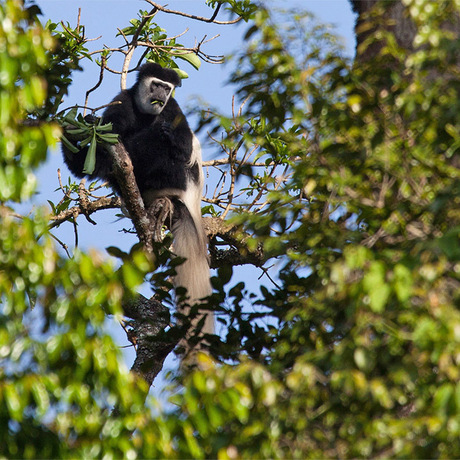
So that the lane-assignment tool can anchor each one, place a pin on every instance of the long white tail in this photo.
(193, 274)
(190, 242)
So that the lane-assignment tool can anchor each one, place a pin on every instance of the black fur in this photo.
(160, 146)
(167, 161)
(155, 70)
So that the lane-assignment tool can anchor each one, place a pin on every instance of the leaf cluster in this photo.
(243, 8)
(80, 133)
(358, 345)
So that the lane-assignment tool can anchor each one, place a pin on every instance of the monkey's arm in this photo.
(175, 130)
(120, 114)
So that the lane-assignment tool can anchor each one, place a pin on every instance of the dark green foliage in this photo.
(353, 351)
(362, 358)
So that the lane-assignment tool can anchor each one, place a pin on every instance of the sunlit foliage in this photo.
(352, 352)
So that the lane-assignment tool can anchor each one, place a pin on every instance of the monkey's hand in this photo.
(171, 134)
(91, 119)
(167, 130)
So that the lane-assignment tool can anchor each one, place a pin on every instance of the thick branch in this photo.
(146, 332)
(238, 253)
(123, 169)
(150, 317)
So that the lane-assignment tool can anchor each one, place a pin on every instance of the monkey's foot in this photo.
(160, 213)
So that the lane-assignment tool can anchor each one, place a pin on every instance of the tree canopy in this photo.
(338, 181)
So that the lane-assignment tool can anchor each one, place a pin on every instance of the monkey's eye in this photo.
(158, 86)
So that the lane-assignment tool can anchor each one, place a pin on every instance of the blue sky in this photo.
(101, 19)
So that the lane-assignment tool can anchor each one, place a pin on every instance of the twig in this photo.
(91, 207)
(177, 51)
(132, 47)
(265, 272)
(101, 76)
(62, 244)
(192, 16)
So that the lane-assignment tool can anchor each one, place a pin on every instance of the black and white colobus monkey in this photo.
(166, 158)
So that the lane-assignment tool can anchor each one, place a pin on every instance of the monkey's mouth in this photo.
(157, 101)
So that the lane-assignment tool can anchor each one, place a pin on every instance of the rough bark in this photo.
(237, 253)
(393, 17)
(146, 332)
(149, 318)
(123, 169)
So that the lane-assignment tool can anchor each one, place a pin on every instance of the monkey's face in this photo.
(153, 94)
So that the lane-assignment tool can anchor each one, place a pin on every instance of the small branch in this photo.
(101, 76)
(227, 161)
(237, 254)
(192, 16)
(175, 51)
(65, 192)
(62, 244)
(84, 202)
(132, 47)
(87, 209)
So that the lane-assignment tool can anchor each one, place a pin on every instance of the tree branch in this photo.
(150, 317)
(123, 169)
(238, 253)
(193, 16)
(146, 331)
(131, 48)
(86, 208)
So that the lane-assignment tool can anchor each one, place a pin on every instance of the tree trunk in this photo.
(392, 16)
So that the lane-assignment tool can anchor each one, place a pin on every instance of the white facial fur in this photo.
(143, 96)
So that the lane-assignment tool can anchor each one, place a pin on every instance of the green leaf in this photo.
(109, 138)
(117, 252)
(402, 282)
(449, 243)
(191, 58)
(182, 74)
(90, 160)
(376, 287)
(443, 399)
(362, 359)
(69, 145)
(71, 115)
(131, 276)
(13, 401)
(41, 396)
